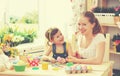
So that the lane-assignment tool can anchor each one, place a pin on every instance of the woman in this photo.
(91, 41)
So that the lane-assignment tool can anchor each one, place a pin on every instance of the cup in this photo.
(44, 65)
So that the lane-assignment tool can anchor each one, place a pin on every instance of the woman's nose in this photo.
(80, 27)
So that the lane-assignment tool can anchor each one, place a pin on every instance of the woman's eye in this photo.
(84, 24)
(79, 24)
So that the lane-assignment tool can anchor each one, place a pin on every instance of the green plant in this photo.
(116, 39)
(30, 18)
(104, 10)
(117, 11)
(13, 36)
(13, 19)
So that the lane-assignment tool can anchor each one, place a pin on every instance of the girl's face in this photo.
(84, 26)
(58, 38)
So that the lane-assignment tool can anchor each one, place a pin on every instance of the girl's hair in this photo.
(92, 19)
(50, 33)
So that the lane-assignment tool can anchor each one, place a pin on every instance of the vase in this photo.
(116, 19)
(118, 48)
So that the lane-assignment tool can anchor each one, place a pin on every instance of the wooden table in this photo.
(98, 70)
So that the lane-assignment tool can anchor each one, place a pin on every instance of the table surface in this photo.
(98, 70)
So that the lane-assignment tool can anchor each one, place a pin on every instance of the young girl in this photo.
(59, 48)
(4, 62)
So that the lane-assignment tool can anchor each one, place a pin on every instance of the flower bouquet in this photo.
(116, 42)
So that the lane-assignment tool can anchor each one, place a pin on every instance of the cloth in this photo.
(63, 55)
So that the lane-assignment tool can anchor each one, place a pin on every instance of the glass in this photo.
(45, 65)
(26, 11)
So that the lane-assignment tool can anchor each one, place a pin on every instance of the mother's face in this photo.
(84, 26)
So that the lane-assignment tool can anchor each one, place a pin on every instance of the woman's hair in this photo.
(50, 33)
(92, 19)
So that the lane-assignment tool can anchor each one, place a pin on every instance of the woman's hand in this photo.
(72, 59)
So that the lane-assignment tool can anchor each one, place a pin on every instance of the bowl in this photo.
(19, 68)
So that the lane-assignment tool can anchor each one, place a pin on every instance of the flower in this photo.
(7, 37)
(116, 39)
(117, 11)
(13, 36)
(17, 38)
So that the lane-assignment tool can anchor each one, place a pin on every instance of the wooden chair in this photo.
(107, 55)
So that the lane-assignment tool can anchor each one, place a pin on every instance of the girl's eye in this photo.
(57, 36)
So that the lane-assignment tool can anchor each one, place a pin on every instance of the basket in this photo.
(19, 68)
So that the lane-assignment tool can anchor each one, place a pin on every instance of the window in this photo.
(23, 11)
(55, 13)
(21, 15)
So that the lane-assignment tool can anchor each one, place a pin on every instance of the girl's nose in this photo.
(61, 37)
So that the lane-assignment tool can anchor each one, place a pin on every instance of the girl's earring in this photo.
(50, 42)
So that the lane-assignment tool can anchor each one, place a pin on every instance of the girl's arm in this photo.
(47, 56)
(100, 49)
(47, 53)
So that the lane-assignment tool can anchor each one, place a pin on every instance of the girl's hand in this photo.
(45, 58)
(52, 60)
(63, 61)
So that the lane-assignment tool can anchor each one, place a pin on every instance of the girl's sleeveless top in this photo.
(63, 55)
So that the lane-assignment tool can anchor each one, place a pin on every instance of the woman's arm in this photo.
(69, 49)
(100, 49)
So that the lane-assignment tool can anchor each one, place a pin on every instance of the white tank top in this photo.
(90, 51)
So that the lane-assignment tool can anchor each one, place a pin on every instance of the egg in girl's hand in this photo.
(59, 59)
